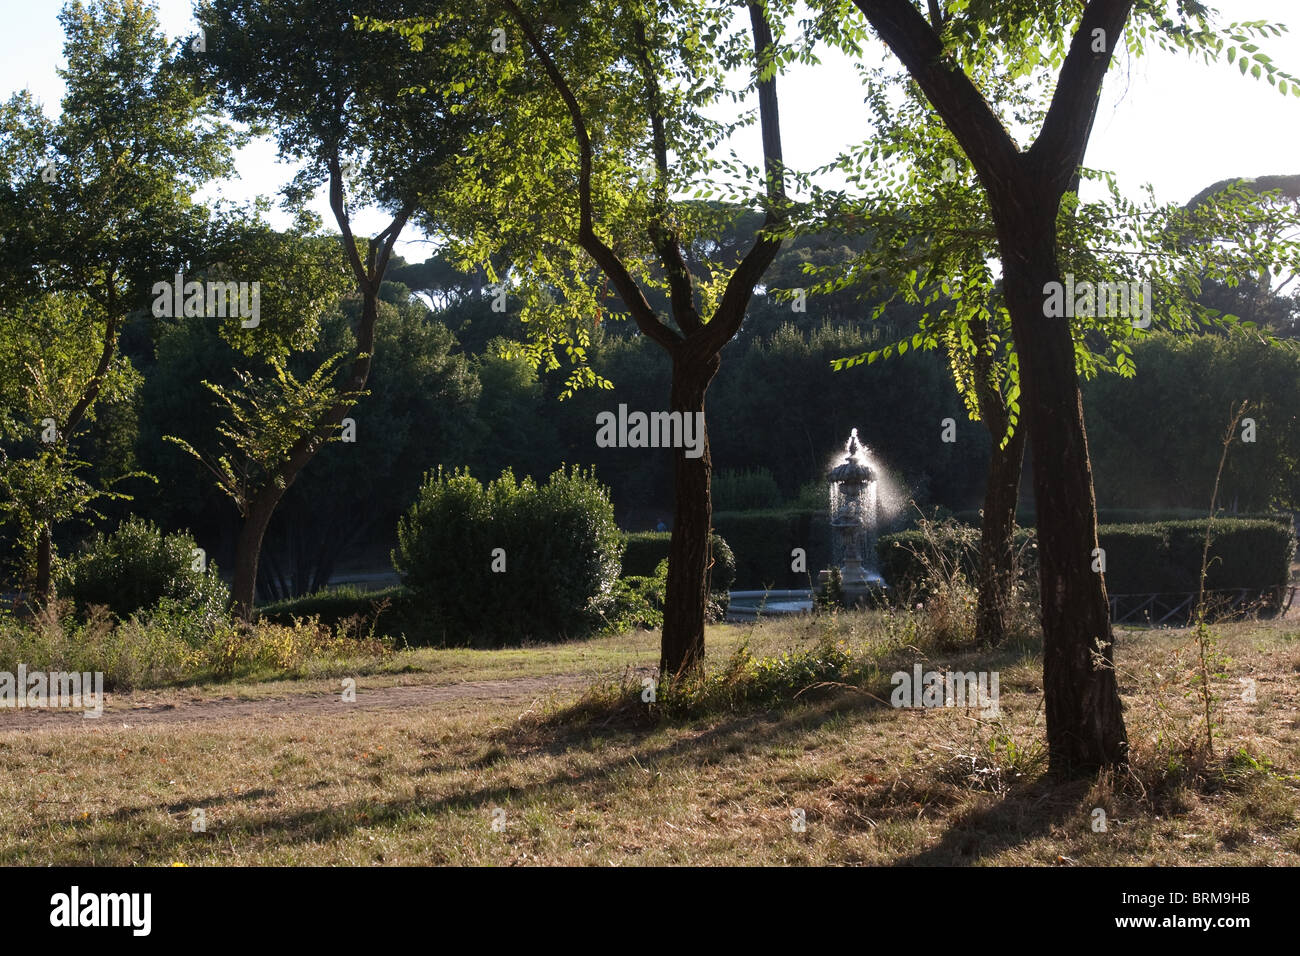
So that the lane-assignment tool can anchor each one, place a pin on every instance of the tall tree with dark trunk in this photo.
(1085, 727)
(602, 127)
(358, 114)
(694, 346)
(1025, 190)
(929, 234)
(928, 242)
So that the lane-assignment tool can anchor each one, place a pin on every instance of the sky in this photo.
(1167, 120)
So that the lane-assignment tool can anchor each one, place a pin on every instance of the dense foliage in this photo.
(513, 560)
(644, 551)
(138, 566)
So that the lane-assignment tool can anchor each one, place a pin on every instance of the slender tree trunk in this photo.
(44, 564)
(996, 574)
(248, 550)
(369, 276)
(997, 538)
(1085, 725)
(687, 595)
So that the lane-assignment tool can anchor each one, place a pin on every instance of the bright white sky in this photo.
(1166, 120)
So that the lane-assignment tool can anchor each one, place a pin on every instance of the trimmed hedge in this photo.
(763, 542)
(1026, 518)
(1157, 557)
(333, 605)
(743, 490)
(645, 549)
(1166, 556)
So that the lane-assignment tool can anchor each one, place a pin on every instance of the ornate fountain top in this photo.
(854, 468)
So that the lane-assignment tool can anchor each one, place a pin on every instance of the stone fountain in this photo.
(853, 522)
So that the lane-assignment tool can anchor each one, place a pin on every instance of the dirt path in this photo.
(119, 710)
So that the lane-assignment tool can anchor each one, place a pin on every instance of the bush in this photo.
(639, 601)
(136, 568)
(911, 561)
(1166, 556)
(744, 490)
(1155, 558)
(1026, 518)
(644, 550)
(557, 542)
(333, 606)
(763, 541)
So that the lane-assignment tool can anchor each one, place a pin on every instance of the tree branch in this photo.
(665, 240)
(964, 110)
(1058, 151)
(605, 257)
(341, 217)
(91, 390)
(382, 244)
(740, 287)
(936, 15)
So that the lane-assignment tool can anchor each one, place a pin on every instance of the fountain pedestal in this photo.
(853, 521)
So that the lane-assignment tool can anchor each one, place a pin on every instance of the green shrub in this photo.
(1166, 556)
(639, 601)
(645, 549)
(814, 496)
(909, 559)
(558, 541)
(136, 568)
(334, 605)
(147, 650)
(745, 678)
(745, 490)
(144, 650)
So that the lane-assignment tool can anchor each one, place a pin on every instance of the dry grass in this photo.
(876, 785)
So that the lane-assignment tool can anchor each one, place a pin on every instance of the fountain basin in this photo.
(748, 606)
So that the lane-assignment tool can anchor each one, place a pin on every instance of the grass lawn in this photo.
(581, 780)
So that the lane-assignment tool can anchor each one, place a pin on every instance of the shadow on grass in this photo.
(1026, 810)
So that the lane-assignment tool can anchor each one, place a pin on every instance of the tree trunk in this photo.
(249, 545)
(44, 564)
(997, 538)
(996, 573)
(248, 549)
(688, 551)
(1085, 725)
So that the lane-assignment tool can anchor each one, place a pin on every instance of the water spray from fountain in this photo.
(854, 516)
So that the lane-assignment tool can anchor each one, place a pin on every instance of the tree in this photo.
(930, 241)
(695, 345)
(418, 413)
(92, 202)
(48, 351)
(1155, 436)
(1025, 191)
(638, 139)
(334, 95)
(266, 416)
(1254, 295)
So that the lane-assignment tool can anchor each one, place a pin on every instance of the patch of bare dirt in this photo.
(119, 708)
